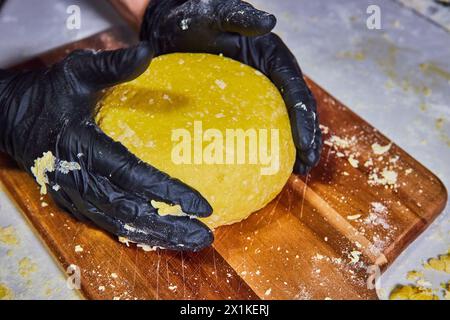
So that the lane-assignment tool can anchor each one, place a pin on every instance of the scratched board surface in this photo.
(323, 237)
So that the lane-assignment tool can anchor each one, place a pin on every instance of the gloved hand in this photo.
(237, 30)
(95, 178)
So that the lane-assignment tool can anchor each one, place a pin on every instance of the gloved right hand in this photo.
(237, 30)
(95, 178)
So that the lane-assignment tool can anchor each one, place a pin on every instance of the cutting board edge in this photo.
(382, 135)
(418, 229)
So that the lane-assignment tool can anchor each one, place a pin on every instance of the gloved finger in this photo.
(304, 122)
(304, 127)
(318, 146)
(301, 168)
(169, 232)
(100, 70)
(182, 233)
(113, 161)
(77, 187)
(126, 214)
(64, 202)
(312, 156)
(282, 68)
(241, 17)
(302, 112)
(108, 198)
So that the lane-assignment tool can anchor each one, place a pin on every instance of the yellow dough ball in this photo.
(214, 123)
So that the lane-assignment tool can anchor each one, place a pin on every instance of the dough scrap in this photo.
(42, 165)
(165, 209)
(411, 292)
(441, 263)
(5, 292)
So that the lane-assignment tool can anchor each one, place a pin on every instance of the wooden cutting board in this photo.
(323, 237)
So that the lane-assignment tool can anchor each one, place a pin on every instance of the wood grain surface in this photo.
(324, 236)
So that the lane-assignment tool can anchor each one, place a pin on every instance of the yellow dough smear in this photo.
(8, 236)
(411, 292)
(210, 100)
(442, 263)
(5, 292)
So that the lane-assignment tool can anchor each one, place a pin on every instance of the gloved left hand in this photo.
(93, 177)
(237, 30)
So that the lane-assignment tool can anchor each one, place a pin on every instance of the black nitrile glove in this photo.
(237, 30)
(53, 110)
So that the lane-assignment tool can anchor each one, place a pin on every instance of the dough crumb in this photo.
(78, 249)
(379, 149)
(125, 241)
(147, 248)
(353, 162)
(354, 256)
(172, 287)
(41, 167)
(184, 24)
(368, 163)
(354, 217)
(339, 142)
(143, 246)
(66, 167)
(165, 209)
(325, 129)
(388, 178)
(221, 84)
(318, 256)
(377, 215)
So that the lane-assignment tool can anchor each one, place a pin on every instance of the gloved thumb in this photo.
(100, 70)
(241, 17)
